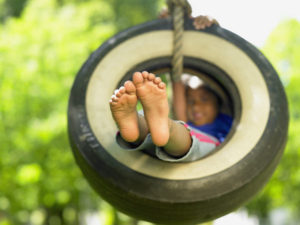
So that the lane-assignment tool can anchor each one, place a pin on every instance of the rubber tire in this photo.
(167, 199)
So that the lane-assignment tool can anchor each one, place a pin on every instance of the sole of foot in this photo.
(151, 91)
(123, 109)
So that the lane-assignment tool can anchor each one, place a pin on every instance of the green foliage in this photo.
(283, 50)
(11, 8)
(40, 53)
(129, 12)
(126, 13)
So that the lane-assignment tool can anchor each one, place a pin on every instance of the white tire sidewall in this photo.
(255, 107)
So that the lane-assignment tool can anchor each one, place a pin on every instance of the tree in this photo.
(40, 54)
(283, 50)
(11, 8)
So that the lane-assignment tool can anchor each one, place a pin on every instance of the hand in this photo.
(201, 22)
(164, 13)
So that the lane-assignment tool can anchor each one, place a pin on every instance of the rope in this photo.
(178, 8)
(182, 3)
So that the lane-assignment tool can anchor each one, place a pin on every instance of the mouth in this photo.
(198, 116)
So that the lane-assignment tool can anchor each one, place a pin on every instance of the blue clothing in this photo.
(219, 128)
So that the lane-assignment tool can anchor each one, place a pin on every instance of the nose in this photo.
(197, 106)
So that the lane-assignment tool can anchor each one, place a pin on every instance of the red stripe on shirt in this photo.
(202, 137)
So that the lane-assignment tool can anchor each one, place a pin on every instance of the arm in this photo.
(164, 13)
(179, 101)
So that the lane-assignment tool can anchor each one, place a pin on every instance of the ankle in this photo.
(171, 126)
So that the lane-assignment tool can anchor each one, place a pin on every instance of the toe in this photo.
(162, 85)
(130, 88)
(138, 79)
(151, 77)
(117, 93)
(157, 80)
(113, 103)
(113, 97)
(122, 90)
(145, 74)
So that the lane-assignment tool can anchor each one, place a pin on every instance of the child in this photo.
(200, 107)
(174, 140)
(187, 140)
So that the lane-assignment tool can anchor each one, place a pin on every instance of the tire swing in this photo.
(179, 193)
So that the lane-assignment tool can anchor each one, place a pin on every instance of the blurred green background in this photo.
(43, 43)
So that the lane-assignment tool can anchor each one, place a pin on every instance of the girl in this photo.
(173, 140)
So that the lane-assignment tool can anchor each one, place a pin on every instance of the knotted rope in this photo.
(178, 8)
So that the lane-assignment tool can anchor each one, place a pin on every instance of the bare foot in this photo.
(151, 91)
(123, 109)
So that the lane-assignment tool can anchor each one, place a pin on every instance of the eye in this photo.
(204, 98)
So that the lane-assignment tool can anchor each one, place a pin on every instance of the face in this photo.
(202, 106)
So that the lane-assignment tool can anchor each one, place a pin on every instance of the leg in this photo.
(180, 139)
(151, 91)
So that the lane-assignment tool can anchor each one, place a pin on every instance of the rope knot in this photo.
(179, 3)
